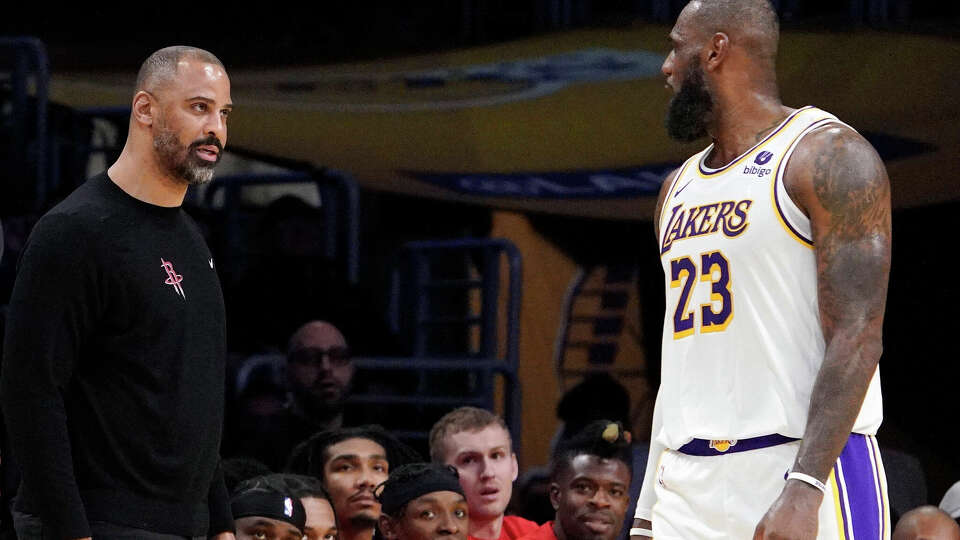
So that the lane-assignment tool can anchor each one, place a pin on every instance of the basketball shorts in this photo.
(726, 495)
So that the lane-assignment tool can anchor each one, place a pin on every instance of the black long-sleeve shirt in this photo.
(113, 369)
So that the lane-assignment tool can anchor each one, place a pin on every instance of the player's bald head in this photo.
(161, 67)
(926, 523)
(751, 24)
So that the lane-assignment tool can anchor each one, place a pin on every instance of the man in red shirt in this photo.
(477, 443)
(589, 485)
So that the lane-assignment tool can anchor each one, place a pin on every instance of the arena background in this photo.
(543, 125)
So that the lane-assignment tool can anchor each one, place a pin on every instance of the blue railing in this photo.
(339, 200)
(28, 80)
(413, 296)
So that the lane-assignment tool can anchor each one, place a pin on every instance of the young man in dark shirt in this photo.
(113, 367)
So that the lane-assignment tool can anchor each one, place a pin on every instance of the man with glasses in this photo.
(320, 375)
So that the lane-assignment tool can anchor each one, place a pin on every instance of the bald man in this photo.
(113, 367)
(926, 523)
(775, 244)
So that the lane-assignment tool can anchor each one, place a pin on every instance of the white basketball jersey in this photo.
(742, 343)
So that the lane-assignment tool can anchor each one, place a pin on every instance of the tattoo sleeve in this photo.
(848, 200)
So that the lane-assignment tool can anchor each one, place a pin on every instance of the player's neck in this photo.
(139, 174)
(740, 125)
(486, 528)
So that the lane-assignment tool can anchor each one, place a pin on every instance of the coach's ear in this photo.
(143, 108)
(555, 495)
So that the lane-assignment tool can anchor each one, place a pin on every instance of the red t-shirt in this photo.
(543, 532)
(513, 528)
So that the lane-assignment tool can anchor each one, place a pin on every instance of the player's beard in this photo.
(690, 108)
(182, 162)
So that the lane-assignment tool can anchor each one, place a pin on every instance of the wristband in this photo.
(637, 531)
(806, 478)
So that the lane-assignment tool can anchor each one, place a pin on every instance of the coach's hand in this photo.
(793, 515)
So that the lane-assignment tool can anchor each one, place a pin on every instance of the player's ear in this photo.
(387, 528)
(515, 465)
(555, 495)
(717, 49)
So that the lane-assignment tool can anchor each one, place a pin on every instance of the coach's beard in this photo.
(690, 108)
(181, 161)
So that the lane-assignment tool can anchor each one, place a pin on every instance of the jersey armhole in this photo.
(791, 217)
(671, 191)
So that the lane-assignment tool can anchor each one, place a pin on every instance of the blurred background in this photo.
(465, 188)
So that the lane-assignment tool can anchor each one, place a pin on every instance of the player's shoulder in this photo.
(833, 159)
(833, 146)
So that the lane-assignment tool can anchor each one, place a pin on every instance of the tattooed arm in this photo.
(836, 177)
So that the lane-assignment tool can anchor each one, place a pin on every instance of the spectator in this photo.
(926, 523)
(319, 377)
(320, 374)
(423, 501)
(477, 443)
(590, 482)
(262, 513)
(350, 463)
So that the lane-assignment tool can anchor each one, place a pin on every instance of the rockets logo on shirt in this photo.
(173, 278)
(728, 217)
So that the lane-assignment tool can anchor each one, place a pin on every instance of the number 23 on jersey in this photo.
(685, 274)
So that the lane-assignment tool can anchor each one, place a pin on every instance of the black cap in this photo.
(269, 504)
(413, 480)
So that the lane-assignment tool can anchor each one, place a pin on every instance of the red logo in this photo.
(173, 278)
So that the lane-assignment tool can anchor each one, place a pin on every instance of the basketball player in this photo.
(263, 513)
(477, 443)
(423, 501)
(589, 485)
(351, 462)
(113, 367)
(775, 243)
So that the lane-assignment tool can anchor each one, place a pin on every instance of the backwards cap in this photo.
(269, 504)
(414, 480)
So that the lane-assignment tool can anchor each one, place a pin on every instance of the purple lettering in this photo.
(725, 208)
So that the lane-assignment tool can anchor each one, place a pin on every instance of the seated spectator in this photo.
(589, 485)
(926, 523)
(319, 375)
(321, 522)
(477, 443)
(350, 463)
(423, 501)
(266, 514)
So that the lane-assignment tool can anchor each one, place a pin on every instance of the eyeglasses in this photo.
(313, 356)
